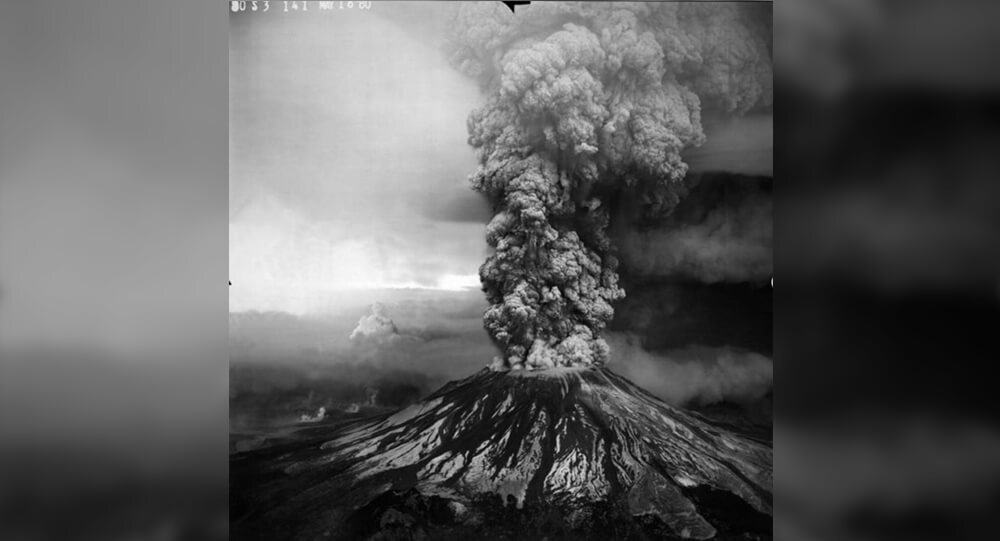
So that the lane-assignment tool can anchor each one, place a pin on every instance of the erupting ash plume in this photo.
(585, 102)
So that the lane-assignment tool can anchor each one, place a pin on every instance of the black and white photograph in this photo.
(500, 270)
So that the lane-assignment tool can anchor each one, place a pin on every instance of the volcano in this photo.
(564, 453)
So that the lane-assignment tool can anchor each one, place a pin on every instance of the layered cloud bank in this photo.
(720, 233)
(694, 375)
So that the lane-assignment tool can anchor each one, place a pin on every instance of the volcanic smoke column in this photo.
(586, 101)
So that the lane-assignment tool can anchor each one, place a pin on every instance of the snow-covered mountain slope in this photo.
(561, 453)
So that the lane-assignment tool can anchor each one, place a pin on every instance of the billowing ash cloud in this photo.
(585, 101)
(694, 375)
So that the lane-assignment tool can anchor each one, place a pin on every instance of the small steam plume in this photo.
(371, 396)
(585, 101)
(320, 415)
(375, 328)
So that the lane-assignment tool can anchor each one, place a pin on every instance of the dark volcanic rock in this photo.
(562, 453)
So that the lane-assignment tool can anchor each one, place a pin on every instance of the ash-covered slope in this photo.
(562, 453)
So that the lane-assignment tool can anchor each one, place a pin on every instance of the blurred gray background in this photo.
(113, 265)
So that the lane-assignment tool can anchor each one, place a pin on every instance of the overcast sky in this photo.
(348, 158)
